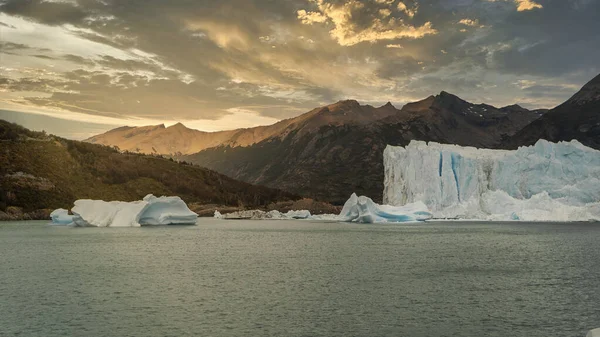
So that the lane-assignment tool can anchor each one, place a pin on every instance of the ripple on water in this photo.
(285, 278)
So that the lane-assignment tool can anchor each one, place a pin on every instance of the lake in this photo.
(297, 278)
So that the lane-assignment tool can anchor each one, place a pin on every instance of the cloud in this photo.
(48, 12)
(223, 34)
(469, 22)
(7, 25)
(201, 60)
(308, 18)
(408, 11)
(527, 5)
(354, 22)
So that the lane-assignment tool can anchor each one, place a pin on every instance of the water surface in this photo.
(294, 278)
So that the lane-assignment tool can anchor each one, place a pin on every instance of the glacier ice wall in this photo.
(149, 211)
(546, 181)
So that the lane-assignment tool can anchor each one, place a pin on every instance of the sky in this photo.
(85, 66)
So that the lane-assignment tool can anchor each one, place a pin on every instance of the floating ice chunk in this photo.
(363, 209)
(544, 182)
(218, 215)
(302, 214)
(149, 211)
(260, 215)
(593, 333)
(350, 210)
(166, 211)
(61, 217)
(247, 214)
(99, 213)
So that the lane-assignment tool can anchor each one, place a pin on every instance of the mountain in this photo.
(180, 140)
(39, 171)
(577, 118)
(330, 152)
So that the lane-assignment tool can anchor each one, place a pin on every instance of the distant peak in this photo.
(445, 98)
(446, 94)
(513, 106)
(388, 105)
(352, 102)
(177, 126)
(590, 92)
(419, 105)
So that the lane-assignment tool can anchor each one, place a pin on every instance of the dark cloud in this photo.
(13, 46)
(45, 57)
(79, 60)
(52, 13)
(7, 25)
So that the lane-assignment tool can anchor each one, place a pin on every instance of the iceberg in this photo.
(167, 211)
(99, 213)
(61, 216)
(356, 209)
(593, 333)
(365, 210)
(262, 215)
(149, 211)
(544, 182)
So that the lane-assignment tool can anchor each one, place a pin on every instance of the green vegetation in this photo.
(42, 171)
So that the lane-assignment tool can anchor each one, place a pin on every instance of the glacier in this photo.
(544, 182)
(149, 211)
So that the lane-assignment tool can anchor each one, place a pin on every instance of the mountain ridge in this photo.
(179, 140)
(576, 118)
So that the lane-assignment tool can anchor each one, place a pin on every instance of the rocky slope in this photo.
(577, 118)
(40, 172)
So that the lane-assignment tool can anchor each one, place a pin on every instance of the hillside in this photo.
(38, 171)
(577, 118)
(333, 160)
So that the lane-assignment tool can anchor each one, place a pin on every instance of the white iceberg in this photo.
(167, 211)
(544, 182)
(593, 333)
(301, 214)
(363, 209)
(61, 216)
(149, 211)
